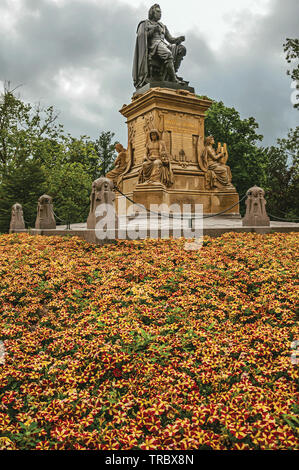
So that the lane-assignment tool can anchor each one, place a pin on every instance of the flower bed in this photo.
(143, 345)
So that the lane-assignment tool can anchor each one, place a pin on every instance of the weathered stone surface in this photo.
(45, 218)
(17, 223)
(101, 193)
(156, 166)
(150, 194)
(256, 214)
(159, 84)
(178, 116)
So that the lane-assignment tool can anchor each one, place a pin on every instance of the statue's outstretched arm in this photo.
(171, 39)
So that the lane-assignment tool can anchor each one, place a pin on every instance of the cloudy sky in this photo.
(77, 55)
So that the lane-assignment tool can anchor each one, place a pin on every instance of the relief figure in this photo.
(156, 167)
(213, 163)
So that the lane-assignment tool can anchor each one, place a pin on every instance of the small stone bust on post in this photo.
(45, 219)
(101, 193)
(17, 223)
(256, 214)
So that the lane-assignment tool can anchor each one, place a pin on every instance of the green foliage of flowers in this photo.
(143, 345)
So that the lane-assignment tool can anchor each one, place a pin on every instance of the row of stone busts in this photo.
(102, 192)
(45, 218)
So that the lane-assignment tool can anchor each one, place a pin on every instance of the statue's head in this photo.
(256, 192)
(155, 12)
(182, 51)
(209, 140)
(154, 134)
(102, 190)
(45, 199)
(17, 207)
(102, 184)
(118, 147)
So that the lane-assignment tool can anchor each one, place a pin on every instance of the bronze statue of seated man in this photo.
(158, 55)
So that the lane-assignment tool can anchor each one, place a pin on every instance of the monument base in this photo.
(147, 194)
(213, 202)
(177, 115)
(170, 85)
(17, 230)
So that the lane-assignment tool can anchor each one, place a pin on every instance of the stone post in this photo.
(17, 223)
(45, 219)
(256, 214)
(102, 220)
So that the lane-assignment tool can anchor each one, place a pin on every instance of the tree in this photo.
(22, 128)
(291, 47)
(68, 149)
(24, 184)
(106, 151)
(84, 151)
(36, 157)
(282, 187)
(70, 187)
(246, 159)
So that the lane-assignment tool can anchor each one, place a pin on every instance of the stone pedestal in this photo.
(17, 223)
(147, 194)
(178, 115)
(256, 214)
(169, 85)
(45, 219)
(102, 220)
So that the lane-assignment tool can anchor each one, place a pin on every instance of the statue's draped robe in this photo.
(121, 162)
(140, 64)
(156, 167)
(217, 172)
(141, 55)
(167, 173)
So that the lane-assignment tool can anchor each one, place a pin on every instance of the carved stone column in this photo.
(102, 220)
(45, 219)
(256, 214)
(17, 223)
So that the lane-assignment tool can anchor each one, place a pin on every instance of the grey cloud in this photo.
(72, 35)
(77, 34)
(248, 72)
